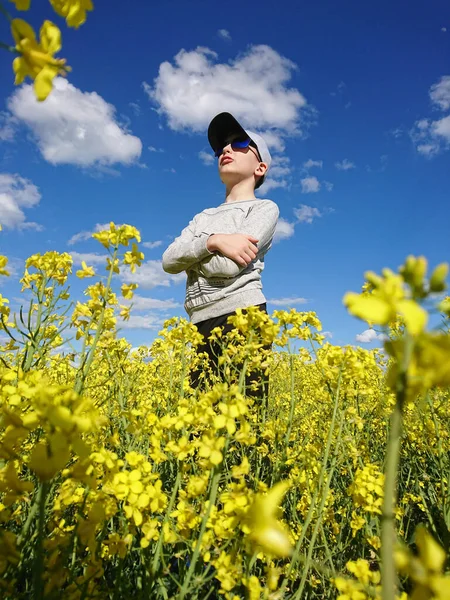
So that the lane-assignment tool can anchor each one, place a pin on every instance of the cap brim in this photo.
(221, 128)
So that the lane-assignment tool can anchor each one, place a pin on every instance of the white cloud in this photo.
(151, 244)
(284, 230)
(430, 137)
(224, 34)
(17, 194)
(367, 336)
(327, 334)
(135, 108)
(280, 167)
(142, 322)
(310, 163)
(397, 132)
(207, 158)
(279, 174)
(7, 126)
(87, 235)
(151, 274)
(274, 140)
(270, 184)
(253, 87)
(153, 149)
(341, 87)
(75, 127)
(90, 258)
(344, 165)
(328, 186)
(440, 93)
(310, 185)
(287, 301)
(444, 29)
(306, 214)
(143, 303)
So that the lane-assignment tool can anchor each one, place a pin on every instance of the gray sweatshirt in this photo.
(216, 285)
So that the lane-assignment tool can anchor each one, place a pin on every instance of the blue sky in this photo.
(354, 100)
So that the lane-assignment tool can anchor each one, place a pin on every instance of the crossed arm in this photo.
(190, 251)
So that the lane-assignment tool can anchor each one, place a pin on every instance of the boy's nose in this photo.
(227, 148)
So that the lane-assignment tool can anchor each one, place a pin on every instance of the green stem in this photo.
(38, 550)
(155, 564)
(296, 554)
(292, 406)
(388, 572)
(34, 342)
(5, 12)
(211, 503)
(318, 523)
(9, 48)
(24, 533)
(81, 378)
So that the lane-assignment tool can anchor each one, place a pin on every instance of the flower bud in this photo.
(438, 277)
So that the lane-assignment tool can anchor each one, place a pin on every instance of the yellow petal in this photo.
(432, 556)
(273, 539)
(21, 29)
(368, 308)
(50, 37)
(20, 69)
(43, 83)
(269, 504)
(21, 4)
(414, 315)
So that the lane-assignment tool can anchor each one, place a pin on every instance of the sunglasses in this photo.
(239, 145)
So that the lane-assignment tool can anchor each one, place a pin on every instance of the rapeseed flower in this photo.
(37, 59)
(74, 11)
(265, 529)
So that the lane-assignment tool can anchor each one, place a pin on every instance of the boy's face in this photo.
(238, 164)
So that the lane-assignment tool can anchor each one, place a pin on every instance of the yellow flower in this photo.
(125, 312)
(85, 271)
(36, 59)
(133, 257)
(429, 366)
(426, 568)
(74, 11)
(386, 301)
(3, 263)
(128, 290)
(210, 448)
(265, 530)
(438, 277)
(21, 4)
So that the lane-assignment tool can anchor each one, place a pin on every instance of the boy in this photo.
(222, 249)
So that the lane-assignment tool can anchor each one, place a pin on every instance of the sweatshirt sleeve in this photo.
(186, 250)
(261, 223)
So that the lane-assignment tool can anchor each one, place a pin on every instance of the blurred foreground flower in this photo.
(265, 530)
(74, 11)
(387, 300)
(21, 4)
(36, 59)
(425, 569)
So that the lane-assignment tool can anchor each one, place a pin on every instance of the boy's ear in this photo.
(261, 169)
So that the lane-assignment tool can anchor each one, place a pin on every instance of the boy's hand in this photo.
(240, 247)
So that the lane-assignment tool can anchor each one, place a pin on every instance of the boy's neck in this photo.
(244, 190)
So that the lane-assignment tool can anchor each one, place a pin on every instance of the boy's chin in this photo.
(230, 179)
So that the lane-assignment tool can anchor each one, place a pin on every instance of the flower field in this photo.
(118, 480)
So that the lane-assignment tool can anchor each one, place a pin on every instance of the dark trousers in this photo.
(213, 350)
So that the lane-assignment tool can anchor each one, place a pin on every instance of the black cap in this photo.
(222, 128)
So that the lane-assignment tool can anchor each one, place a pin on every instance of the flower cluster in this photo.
(117, 478)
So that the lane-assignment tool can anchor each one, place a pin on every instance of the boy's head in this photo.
(241, 154)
